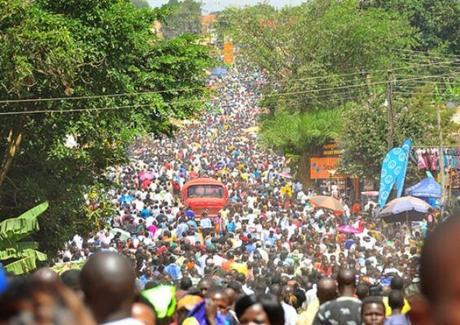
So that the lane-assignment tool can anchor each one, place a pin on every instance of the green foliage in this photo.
(317, 57)
(55, 48)
(285, 131)
(437, 20)
(140, 3)
(365, 132)
(21, 257)
(183, 19)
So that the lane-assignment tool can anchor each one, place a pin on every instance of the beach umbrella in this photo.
(348, 229)
(406, 208)
(285, 175)
(370, 193)
(219, 72)
(145, 175)
(126, 199)
(327, 202)
(426, 188)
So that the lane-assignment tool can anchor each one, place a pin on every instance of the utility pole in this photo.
(441, 159)
(390, 115)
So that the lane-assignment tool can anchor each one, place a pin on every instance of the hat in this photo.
(188, 302)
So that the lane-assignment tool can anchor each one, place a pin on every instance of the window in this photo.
(214, 191)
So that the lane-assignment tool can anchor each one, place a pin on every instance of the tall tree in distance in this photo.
(317, 57)
(184, 18)
(140, 3)
(437, 20)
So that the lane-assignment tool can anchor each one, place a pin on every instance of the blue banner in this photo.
(393, 173)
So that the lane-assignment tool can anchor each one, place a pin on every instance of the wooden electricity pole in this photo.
(390, 115)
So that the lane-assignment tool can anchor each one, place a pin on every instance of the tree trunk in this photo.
(14, 142)
(303, 168)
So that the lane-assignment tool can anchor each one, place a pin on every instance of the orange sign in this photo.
(228, 52)
(324, 167)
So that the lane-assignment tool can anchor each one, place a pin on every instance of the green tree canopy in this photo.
(184, 18)
(364, 139)
(141, 3)
(316, 57)
(114, 79)
(437, 21)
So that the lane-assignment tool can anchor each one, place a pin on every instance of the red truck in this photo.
(204, 195)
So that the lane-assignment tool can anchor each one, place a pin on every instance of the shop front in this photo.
(324, 172)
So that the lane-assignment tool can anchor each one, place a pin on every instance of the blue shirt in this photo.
(181, 229)
(349, 243)
(192, 223)
(143, 279)
(397, 320)
(174, 271)
(250, 248)
(231, 227)
(270, 240)
(145, 213)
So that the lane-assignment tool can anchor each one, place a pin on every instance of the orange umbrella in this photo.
(327, 202)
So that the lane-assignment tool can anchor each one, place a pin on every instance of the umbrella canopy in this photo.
(406, 208)
(285, 175)
(327, 202)
(427, 187)
(348, 229)
(126, 199)
(219, 72)
(145, 175)
(370, 193)
(124, 235)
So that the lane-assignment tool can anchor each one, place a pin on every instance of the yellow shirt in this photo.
(405, 309)
(286, 190)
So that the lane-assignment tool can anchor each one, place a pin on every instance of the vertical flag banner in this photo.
(394, 168)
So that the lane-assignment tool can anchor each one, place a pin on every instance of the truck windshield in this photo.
(214, 191)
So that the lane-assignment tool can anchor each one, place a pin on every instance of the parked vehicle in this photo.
(204, 195)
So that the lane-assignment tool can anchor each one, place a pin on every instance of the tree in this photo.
(317, 56)
(184, 18)
(141, 3)
(364, 139)
(437, 21)
(116, 80)
(287, 132)
(21, 256)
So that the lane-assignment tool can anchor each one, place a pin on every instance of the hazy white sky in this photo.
(215, 5)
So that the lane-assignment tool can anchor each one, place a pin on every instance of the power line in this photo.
(72, 110)
(427, 54)
(43, 111)
(29, 100)
(421, 93)
(374, 71)
(357, 85)
(205, 100)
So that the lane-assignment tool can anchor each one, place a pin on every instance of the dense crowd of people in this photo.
(268, 257)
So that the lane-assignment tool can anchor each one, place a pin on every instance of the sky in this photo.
(216, 5)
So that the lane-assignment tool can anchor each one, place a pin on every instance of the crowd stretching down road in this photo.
(268, 257)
